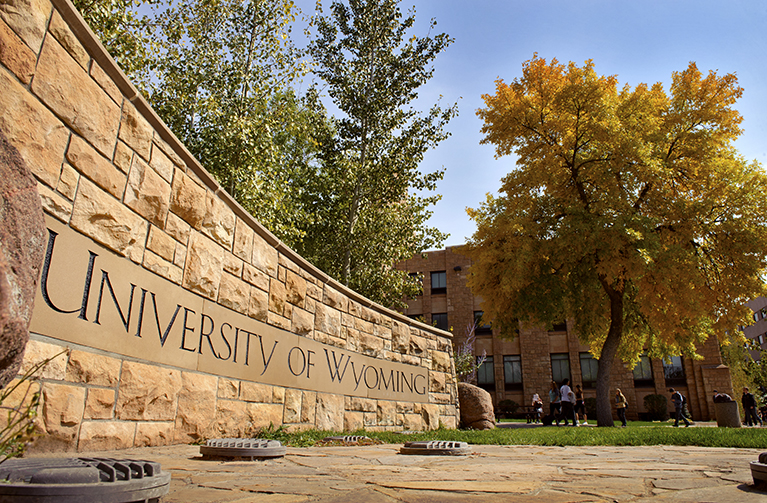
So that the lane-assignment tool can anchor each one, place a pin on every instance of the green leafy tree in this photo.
(629, 212)
(372, 215)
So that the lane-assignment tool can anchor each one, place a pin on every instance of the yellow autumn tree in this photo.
(629, 211)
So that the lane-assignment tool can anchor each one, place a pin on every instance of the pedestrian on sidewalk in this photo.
(568, 402)
(580, 405)
(621, 404)
(554, 402)
(678, 401)
(749, 407)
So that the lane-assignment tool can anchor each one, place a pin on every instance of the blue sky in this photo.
(639, 41)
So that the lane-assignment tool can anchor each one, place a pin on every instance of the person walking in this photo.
(678, 401)
(621, 404)
(749, 407)
(568, 402)
(554, 402)
(580, 405)
(537, 408)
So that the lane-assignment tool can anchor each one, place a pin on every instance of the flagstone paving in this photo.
(373, 474)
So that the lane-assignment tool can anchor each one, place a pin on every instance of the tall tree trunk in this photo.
(607, 356)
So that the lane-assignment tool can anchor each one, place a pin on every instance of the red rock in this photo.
(476, 407)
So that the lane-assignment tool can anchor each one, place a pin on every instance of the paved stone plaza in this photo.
(373, 474)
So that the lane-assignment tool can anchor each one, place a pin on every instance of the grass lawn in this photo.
(637, 433)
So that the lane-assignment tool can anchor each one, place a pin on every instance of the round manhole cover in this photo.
(243, 448)
(437, 448)
(82, 480)
(348, 439)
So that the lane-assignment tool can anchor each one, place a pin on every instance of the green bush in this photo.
(657, 407)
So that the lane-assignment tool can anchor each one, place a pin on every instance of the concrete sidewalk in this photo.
(378, 473)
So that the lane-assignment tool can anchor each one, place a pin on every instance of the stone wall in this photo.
(113, 177)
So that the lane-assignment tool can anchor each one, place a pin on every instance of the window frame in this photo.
(511, 360)
(645, 366)
(588, 357)
(679, 376)
(436, 323)
(560, 357)
(482, 372)
(484, 329)
(441, 285)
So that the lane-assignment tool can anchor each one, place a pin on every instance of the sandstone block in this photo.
(308, 406)
(255, 277)
(436, 382)
(278, 394)
(135, 131)
(258, 305)
(30, 127)
(68, 41)
(196, 407)
(147, 193)
(72, 95)
(94, 369)
(123, 157)
(148, 393)
(106, 435)
(243, 240)
(152, 434)
(330, 412)
(68, 181)
(178, 228)
(277, 294)
(301, 322)
(295, 287)
(386, 413)
(264, 256)
(37, 352)
(186, 200)
(15, 55)
(255, 392)
(327, 320)
(161, 243)
(412, 422)
(159, 265)
(28, 19)
(96, 167)
(54, 204)
(162, 164)
(99, 404)
(441, 362)
(370, 345)
(62, 412)
(106, 83)
(104, 219)
(204, 266)
(232, 419)
(232, 264)
(264, 415)
(228, 388)
(292, 409)
(234, 293)
(430, 415)
(218, 222)
(335, 299)
(353, 421)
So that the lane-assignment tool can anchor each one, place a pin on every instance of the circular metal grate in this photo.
(347, 439)
(82, 480)
(242, 448)
(437, 448)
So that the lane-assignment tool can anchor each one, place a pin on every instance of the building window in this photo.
(485, 374)
(438, 282)
(416, 317)
(761, 339)
(674, 372)
(559, 327)
(560, 367)
(643, 373)
(481, 328)
(439, 320)
(589, 366)
(512, 372)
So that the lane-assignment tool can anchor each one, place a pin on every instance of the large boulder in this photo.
(22, 248)
(476, 407)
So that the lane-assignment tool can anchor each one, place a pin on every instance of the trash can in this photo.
(727, 414)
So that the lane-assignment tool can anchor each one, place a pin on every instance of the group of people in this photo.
(565, 404)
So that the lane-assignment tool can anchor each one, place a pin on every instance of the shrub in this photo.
(657, 407)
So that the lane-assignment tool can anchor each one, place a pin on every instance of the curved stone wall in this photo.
(171, 314)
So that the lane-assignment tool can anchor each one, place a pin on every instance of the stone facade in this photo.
(757, 331)
(108, 169)
(535, 347)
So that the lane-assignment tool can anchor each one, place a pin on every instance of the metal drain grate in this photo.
(80, 480)
(347, 439)
(437, 448)
(243, 448)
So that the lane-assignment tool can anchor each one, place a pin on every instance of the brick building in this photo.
(758, 330)
(516, 369)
